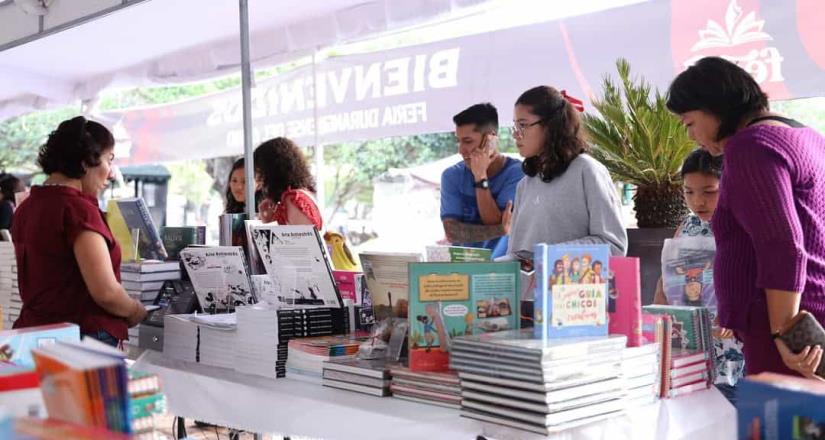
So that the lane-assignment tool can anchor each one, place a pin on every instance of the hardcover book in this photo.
(624, 302)
(687, 272)
(453, 299)
(131, 214)
(571, 290)
(177, 238)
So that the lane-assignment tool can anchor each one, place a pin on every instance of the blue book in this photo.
(774, 406)
(571, 290)
(16, 345)
(456, 299)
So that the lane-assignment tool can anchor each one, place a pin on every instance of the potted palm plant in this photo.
(643, 144)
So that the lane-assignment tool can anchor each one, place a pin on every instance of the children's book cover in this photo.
(687, 272)
(458, 254)
(16, 345)
(774, 406)
(624, 302)
(455, 299)
(571, 290)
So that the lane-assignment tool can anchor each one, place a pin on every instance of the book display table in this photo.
(295, 407)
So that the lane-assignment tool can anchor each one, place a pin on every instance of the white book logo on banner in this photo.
(740, 29)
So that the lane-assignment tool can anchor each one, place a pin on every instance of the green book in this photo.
(687, 326)
(176, 238)
(458, 254)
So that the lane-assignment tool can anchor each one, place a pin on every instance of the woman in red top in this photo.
(68, 262)
(282, 174)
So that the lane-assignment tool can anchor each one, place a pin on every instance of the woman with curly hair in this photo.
(287, 186)
(566, 196)
(68, 261)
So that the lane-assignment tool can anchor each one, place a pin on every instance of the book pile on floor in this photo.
(368, 376)
(10, 300)
(641, 374)
(306, 356)
(541, 385)
(259, 350)
(434, 388)
(142, 282)
(687, 360)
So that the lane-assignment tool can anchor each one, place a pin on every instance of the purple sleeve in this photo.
(759, 188)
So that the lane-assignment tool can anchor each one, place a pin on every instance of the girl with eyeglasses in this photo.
(566, 197)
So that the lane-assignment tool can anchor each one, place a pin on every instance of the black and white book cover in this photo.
(219, 277)
(296, 262)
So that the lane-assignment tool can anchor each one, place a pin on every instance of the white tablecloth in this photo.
(294, 407)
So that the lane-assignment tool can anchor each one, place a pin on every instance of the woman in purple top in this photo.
(769, 224)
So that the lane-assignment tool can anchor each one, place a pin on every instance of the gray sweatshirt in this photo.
(579, 207)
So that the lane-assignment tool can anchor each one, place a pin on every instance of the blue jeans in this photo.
(104, 337)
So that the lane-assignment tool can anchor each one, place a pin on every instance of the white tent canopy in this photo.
(89, 45)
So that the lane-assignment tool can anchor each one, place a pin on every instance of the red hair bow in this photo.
(576, 103)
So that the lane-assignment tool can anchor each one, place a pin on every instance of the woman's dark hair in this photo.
(721, 88)
(564, 138)
(700, 161)
(233, 206)
(9, 185)
(281, 165)
(76, 145)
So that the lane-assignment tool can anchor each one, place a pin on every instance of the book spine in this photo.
(152, 229)
(322, 244)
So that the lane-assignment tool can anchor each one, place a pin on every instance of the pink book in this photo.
(348, 284)
(624, 303)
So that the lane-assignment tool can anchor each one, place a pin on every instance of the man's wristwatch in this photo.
(483, 184)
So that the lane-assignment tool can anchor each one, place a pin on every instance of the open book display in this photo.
(219, 277)
(297, 265)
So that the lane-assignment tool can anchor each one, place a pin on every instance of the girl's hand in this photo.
(805, 362)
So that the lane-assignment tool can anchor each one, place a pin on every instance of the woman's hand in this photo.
(805, 362)
(724, 333)
(138, 314)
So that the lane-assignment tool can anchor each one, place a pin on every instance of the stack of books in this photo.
(85, 383)
(306, 356)
(10, 300)
(217, 339)
(687, 360)
(258, 350)
(180, 338)
(434, 388)
(368, 376)
(539, 385)
(142, 282)
(297, 323)
(641, 374)
(146, 401)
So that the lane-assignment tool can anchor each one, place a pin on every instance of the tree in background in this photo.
(22, 136)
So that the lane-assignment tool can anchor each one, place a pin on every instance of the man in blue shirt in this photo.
(476, 191)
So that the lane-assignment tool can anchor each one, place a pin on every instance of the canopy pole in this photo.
(320, 194)
(246, 86)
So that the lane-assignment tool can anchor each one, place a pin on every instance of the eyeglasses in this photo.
(518, 127)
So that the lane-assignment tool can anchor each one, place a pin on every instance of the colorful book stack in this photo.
(540, 385)
(434, 388)
(641, 374)
(85, 383)
(775, 406)
(687, 362)
(146, 401)
(177, 238)
(10, 300)
(259, 349)
(306, 356)
(368, 376)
